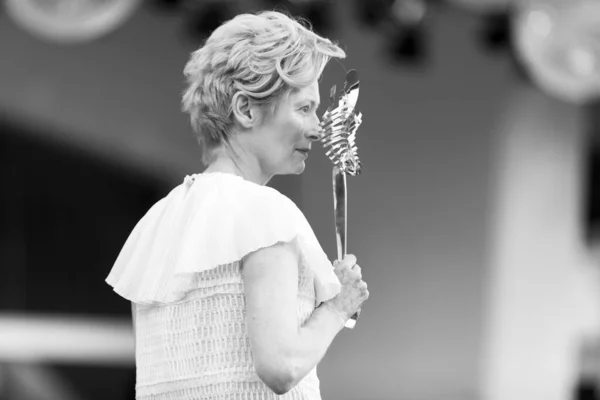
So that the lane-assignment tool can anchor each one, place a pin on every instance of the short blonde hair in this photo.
(264, 55)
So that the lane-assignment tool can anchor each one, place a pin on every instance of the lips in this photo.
(303, 151)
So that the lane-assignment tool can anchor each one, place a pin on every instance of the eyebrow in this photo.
(313, 103)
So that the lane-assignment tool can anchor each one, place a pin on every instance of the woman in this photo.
(232, 295)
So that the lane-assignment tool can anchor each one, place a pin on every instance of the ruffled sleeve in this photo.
(207, 221)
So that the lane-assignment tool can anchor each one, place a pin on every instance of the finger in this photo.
(364, 291)
(357, 272)
(349, 259)
(345, 264)
(342, 272)
(340, 266)
(347, 275)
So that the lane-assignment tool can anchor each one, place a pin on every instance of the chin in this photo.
(299, 168)
(293, 169)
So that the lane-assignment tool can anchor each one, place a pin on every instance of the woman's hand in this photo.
(354, 290)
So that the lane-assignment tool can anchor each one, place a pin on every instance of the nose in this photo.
(314, 133)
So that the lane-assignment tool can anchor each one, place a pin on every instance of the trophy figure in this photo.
(338, 133)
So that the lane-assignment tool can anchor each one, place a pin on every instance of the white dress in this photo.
(182, 267)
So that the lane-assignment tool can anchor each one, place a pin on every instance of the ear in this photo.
(244, 112)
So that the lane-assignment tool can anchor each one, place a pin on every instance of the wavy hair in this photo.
(265, 56)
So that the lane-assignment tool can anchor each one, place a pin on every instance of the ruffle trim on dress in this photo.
(207, 221)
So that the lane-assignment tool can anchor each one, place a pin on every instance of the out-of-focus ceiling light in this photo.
(70, 21)
(406, 30)
(409, 12)
(558, 41)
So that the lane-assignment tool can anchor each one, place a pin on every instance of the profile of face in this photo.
(281, 142)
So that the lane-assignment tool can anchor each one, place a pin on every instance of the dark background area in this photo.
(64, 216)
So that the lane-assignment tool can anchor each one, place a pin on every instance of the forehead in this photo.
(308, 93)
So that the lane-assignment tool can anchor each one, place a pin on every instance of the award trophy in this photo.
(338, 133)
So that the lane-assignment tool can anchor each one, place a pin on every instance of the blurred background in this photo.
(476, 220)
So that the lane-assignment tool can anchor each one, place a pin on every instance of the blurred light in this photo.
(540, 23)
(66, 339)
(409, 12)
(559, 43)
(582, 61)
(402, 22)
(407, 31)
(70, 21)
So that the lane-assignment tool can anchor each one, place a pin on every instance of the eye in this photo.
(305, 109)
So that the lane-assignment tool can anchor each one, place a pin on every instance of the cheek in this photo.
(301, 125)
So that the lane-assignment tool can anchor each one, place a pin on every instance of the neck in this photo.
(247, 169)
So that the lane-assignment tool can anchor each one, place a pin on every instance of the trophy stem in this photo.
(340, 201)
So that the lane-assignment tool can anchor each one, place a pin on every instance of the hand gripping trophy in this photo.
(338, 133)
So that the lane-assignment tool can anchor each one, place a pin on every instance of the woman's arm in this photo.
(284, 353)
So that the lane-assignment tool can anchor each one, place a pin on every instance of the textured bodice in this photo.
(198, 348)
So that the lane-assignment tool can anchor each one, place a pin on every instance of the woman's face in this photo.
(282, 142)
